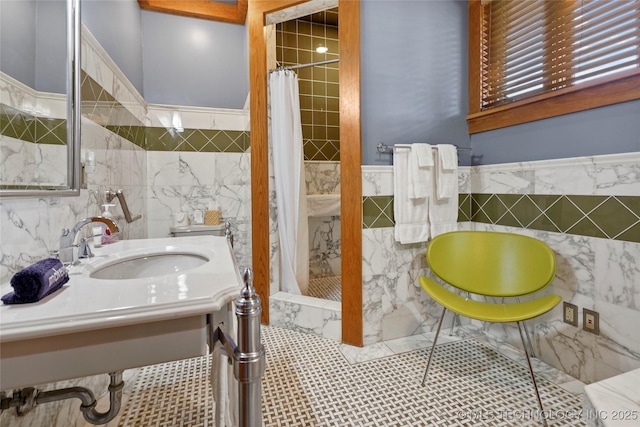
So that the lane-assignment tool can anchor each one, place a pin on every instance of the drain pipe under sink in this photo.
(27, 398)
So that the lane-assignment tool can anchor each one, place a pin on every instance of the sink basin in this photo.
(144, 266)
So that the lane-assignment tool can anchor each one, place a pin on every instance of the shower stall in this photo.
(308, 46)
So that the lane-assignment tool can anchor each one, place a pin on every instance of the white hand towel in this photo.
(420, 171)
(443, 209)
(446, 173)
(448, 155)
(443, 216)
(424, 153)
(411, 215)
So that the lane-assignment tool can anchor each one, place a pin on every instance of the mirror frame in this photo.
(74, 167)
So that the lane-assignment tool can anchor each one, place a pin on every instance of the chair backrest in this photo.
(491, 263)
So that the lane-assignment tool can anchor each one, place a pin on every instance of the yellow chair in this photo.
(490, 264)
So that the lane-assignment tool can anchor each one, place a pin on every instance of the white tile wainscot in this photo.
(306, 314)
(394, 305)
(595, 273)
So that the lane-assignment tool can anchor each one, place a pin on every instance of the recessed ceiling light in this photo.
(322, 49)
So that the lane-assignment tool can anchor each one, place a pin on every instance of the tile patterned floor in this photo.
(311, 381)
(329, 288)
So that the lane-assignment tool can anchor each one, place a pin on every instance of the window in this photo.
(534, 59)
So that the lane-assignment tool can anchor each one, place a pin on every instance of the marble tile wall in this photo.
(596, 273)
(299, 312)
(394, 305)
(322, 177)
(183, 181)
(32, 131)
(325, 256)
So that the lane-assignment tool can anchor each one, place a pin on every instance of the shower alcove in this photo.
(337, 320)
(292, 43)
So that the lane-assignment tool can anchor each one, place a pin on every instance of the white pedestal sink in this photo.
(140, 317)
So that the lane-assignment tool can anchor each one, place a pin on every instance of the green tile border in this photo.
(377, 212)
(197, 140)
(102, 108)
(609, 217)
(29, 128)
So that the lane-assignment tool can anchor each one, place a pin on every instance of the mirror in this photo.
(39, 98)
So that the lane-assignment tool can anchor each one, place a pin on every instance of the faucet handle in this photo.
(85, 250)
(110, 195)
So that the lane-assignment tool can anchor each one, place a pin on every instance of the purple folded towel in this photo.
(36, 281)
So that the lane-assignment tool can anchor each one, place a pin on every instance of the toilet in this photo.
(197, 230)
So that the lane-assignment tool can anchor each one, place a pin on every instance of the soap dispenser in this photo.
(107, 237)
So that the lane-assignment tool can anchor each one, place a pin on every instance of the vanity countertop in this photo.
(85, 303)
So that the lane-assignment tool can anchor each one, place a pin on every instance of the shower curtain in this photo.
(291, 199)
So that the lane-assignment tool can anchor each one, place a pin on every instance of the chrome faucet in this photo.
(69, 237)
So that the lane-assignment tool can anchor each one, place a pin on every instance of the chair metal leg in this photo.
(433, 347)
(453, 323)
(533, 377)
(456, 317)
(526, 331)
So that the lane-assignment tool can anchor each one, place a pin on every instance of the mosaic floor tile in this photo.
(329, 288)
(309, 383)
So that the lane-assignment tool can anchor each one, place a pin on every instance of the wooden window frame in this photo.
(622, 87)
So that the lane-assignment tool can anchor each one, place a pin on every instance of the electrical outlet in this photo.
(570, 313)
(591, 321)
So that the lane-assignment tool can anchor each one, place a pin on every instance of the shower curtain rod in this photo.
(312, 64)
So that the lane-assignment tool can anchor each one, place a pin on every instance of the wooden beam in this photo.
(259, 156)
(204, 9)
(350, 171)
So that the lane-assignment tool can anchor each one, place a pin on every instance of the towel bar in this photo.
(384, 148)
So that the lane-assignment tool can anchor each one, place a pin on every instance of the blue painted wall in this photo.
(18, 40)
(117, 27)
(196, 62)
(414, 74)
(605, 130)
(51, 46)
(33, 43)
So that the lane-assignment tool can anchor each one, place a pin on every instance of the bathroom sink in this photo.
(135, 303)
(149, 265)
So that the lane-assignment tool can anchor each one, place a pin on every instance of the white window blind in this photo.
(531, 47)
